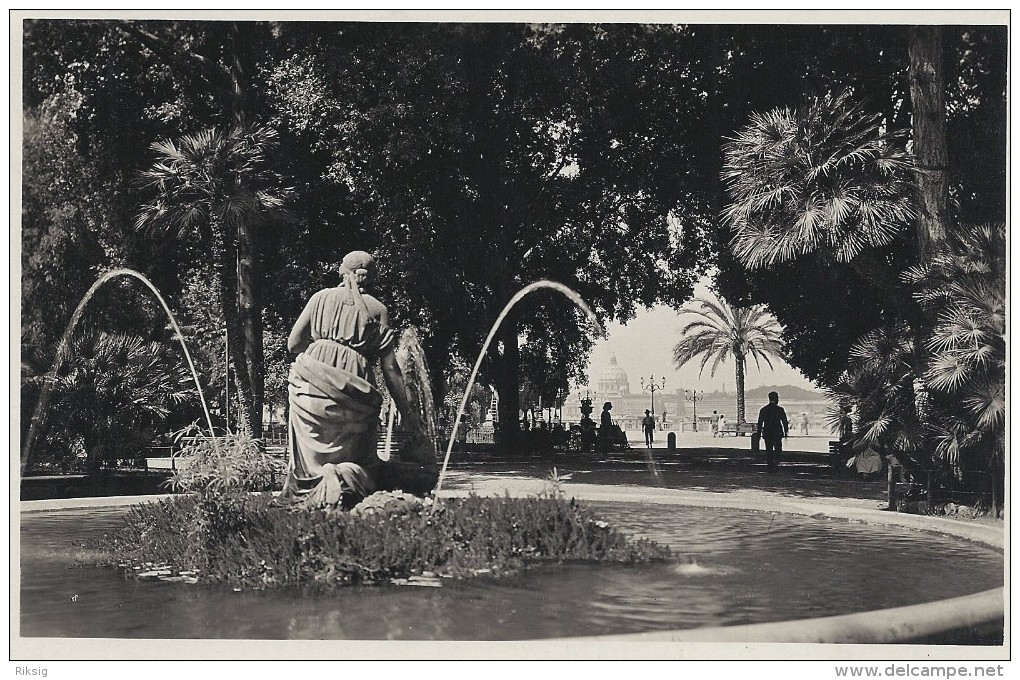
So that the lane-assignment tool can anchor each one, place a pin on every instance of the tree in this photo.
(110, 394)
(927, 94)
(821, 179)
(938, 400)
(110, 98)
(822, 197)
(557, 156)
(873, 64)
(721, 331)
(62, 229)
(222, 63)
(963, 286)
(217, 188)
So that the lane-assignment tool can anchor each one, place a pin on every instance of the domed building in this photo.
(613, 380)
(613, 385)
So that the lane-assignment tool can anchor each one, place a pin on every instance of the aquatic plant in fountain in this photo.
(236, 462)
(244, 541)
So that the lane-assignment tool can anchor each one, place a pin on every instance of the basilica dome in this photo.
(613, 380)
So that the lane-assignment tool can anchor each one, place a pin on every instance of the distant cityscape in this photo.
(672, 409)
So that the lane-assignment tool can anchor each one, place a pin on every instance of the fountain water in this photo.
(418, 380)
(418, 383)
(40, 407)
(569, 292)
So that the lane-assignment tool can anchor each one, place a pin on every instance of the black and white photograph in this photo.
(518, 334)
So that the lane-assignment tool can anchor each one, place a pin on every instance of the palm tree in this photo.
(938, 398)
(721, 331)
(216, 187)
(879, 384)
(825, 178)
(963, 286)
(112, 392)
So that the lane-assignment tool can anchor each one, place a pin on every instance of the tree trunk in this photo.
(250, 313)
(740, 388)
(505, 366)
(248, 282)
(927, 94)
(227, 272)
(231, 86)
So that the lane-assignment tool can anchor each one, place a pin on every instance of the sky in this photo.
(644, 347)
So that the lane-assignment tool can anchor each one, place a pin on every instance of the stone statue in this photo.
(334, 405)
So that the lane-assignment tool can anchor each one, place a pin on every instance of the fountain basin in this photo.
(968, 610)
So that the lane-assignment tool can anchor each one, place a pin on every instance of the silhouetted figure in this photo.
(773, 426)
(648, 425)
(609, 433)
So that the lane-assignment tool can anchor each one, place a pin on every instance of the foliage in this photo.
(720, 331)
(557, 156)
(879, 387)
(245, 541)
(825, 306)
(230, 463)
(61, 224)
(455, 383)
(825, 178)
(964, 288)
(111, 394)
(939, 397)
(586, 153)
(217, 188)
(212, 180)
(963, 285)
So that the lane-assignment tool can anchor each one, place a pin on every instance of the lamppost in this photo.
(653, 387)
(693, 397)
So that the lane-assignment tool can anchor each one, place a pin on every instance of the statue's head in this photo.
(360, 265)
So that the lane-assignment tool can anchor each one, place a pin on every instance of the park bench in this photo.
(839, 454)
(738, 429)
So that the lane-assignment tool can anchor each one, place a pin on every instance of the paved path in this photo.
(815, 443)
(711, 471)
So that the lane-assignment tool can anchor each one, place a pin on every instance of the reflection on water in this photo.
(739, 567)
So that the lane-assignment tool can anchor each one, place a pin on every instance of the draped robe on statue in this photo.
(334, 405)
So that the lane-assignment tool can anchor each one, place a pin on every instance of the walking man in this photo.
(773, 426)
(648, 425)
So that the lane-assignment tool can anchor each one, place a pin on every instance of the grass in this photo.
(246, 542)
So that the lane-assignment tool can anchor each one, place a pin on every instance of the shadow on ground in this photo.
(714, 470)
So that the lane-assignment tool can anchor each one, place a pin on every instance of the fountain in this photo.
(38, 416)
(521, 294)
(746, 558)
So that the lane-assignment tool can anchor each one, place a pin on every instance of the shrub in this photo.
(247, 541)
(235, 462)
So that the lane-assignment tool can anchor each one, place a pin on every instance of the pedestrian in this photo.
(804, 423)
(648, 425)
(721, 424)
(773, 426)
(715, 423)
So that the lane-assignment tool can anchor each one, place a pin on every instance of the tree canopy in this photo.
(471, 159)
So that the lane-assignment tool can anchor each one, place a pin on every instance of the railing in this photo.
(480, 437)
